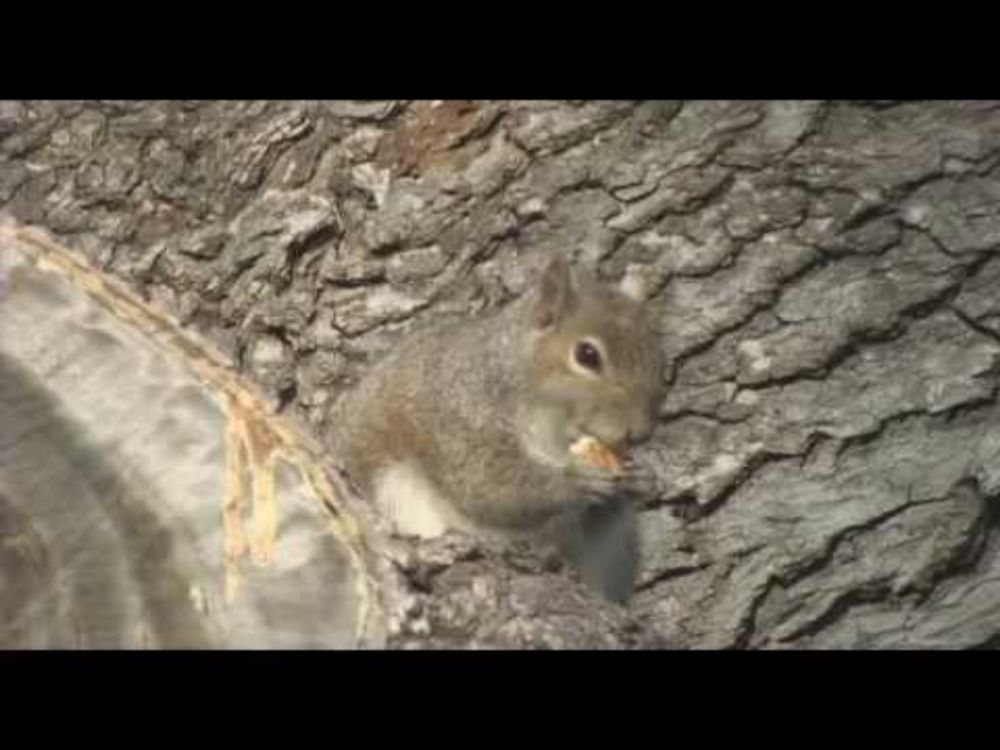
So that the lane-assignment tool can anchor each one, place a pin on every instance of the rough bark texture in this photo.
(828, 275)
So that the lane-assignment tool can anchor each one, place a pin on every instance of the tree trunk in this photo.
(187, 287)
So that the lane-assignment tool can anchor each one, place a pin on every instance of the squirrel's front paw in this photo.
(639, 480)
(631, 480)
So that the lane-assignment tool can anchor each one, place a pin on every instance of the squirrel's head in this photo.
(595, 359)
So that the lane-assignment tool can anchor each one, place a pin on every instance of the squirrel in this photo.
(473, 427)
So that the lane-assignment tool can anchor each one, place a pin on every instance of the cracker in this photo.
(594, 452)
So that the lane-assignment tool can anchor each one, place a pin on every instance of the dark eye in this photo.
(586, 355)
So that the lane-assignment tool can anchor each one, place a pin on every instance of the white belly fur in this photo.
(411, 502)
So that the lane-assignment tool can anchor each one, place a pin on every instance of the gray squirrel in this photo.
(488, 426)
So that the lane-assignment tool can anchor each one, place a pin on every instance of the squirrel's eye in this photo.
(586, 355)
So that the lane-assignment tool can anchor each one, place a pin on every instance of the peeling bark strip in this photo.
(252, 449)
(830, 441)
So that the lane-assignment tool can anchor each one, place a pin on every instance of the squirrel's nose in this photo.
(640, 429)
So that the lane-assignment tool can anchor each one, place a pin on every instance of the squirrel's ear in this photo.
(554, 293)
(634, 284)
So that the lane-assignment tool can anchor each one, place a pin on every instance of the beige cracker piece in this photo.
(595, 453)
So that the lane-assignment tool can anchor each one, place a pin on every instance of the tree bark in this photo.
(826, 278)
